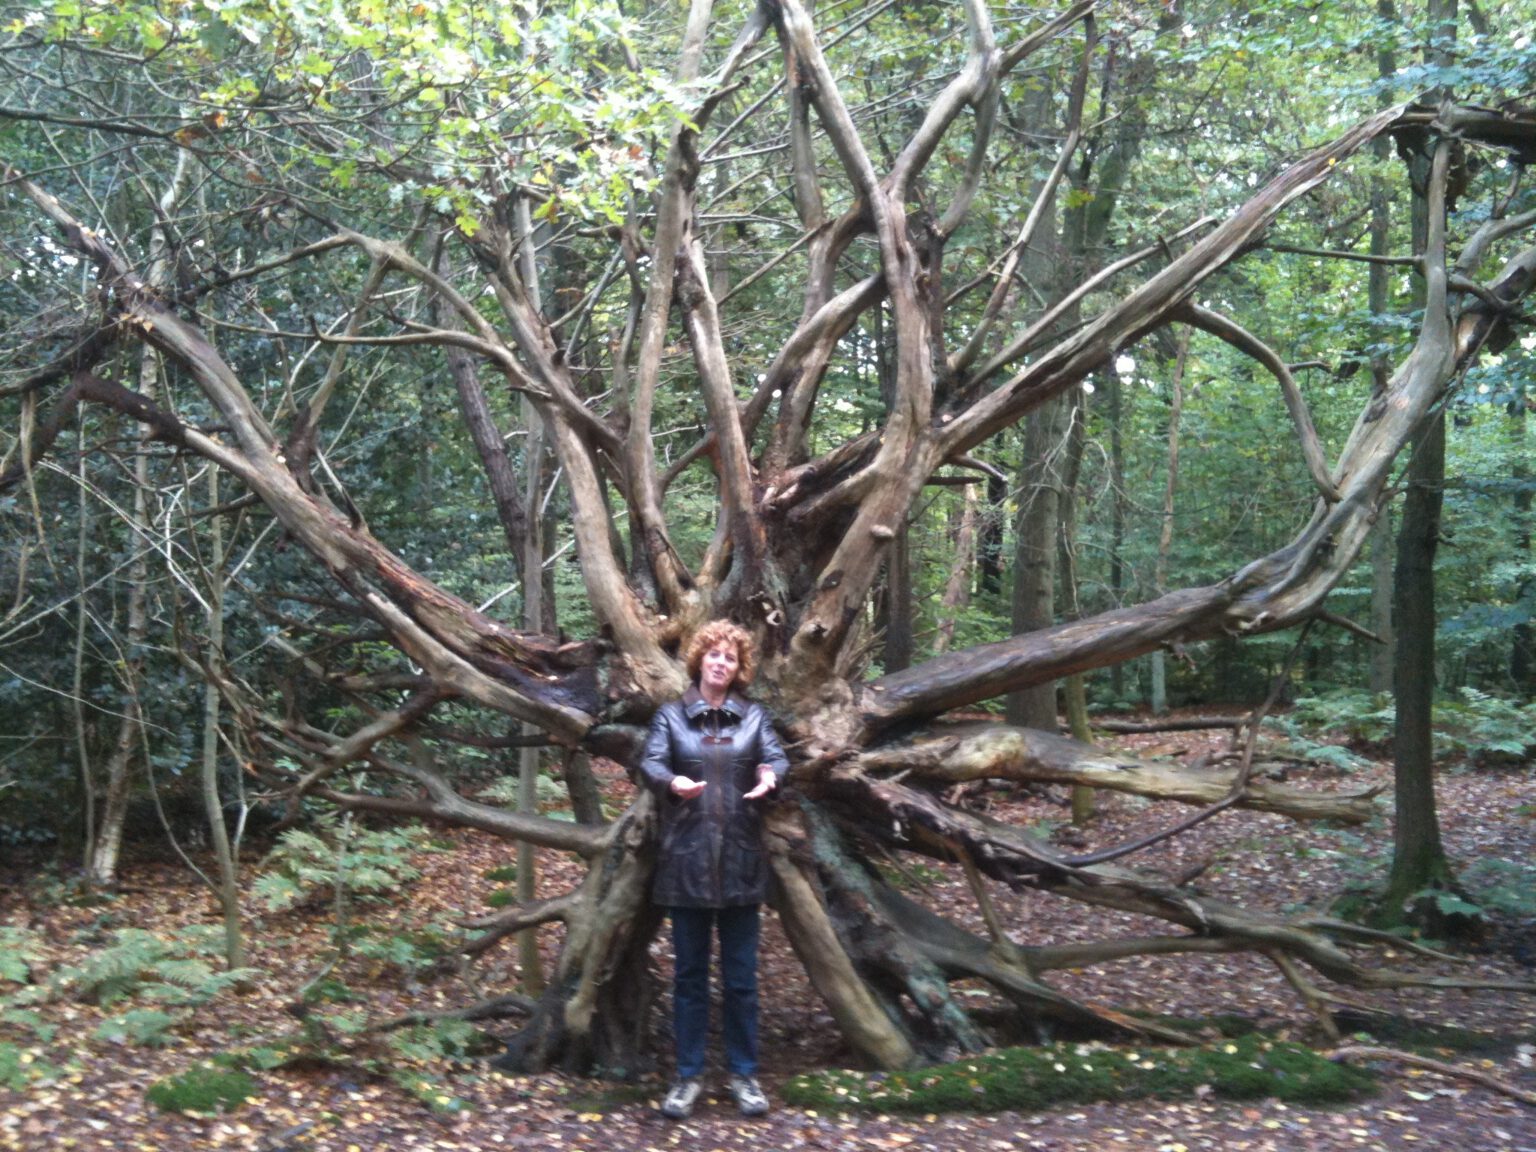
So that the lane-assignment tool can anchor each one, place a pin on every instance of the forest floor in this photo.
(93, 1095)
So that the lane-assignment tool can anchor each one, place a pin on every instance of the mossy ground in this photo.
(1030, 1079)
(204, 1088)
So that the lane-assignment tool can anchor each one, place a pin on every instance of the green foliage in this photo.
(33, 1021)
(1506, 887)
(170, 970)
(19, 950)
(205, 1088)
(20, 1066)
(162, 978)
(1030, 1079)
(1479, 726)
(420, 1053)
(404, 951)
(1485, 728)
(438, 1040)
(1299, 744)
(149, 1027)
(369, 862)
(1356, 716)
(550, 793)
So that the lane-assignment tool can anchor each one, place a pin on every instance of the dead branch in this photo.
(1365, 1052)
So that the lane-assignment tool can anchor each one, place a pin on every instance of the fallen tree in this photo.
(807, 508)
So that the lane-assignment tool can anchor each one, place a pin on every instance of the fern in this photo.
(168, 970)
(19, 1067)
(507, 791)
(35, 1022)
(1504, 886)
(147, 1027)
(111, 974)
(370, 863)
(19, 948)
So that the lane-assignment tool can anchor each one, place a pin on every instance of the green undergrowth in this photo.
(1435, 1040)
(205, 1088)
(1030, 1079)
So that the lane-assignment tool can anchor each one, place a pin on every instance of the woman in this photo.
(712, 757)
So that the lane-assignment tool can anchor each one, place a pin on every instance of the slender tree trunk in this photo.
(228, 886)
(77, 692)
(1418, 857)
(1522, 653)
(957, 589)
(1165, 536)
(1074, 688)
(1382, 654)
(1378, 293)
(119, 783)
(532, 546)
(1034, 575)
(989, 539)
(899, 609)
(1116, 513)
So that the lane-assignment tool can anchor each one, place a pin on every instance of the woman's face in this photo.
(717, 671)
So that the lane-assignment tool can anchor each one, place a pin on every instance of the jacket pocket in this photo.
(745, 869)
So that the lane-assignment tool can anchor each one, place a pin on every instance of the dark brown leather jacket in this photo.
(711, 852)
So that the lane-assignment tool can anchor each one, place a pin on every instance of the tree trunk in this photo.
(108, 841)
(989, 539)
(227, 888)
(1074, 687)
(957, 588)
(1419, 862)
(1522, 649)
(1035, 535)
(1377, 294)
(897, 616)
(1117, 501)
(1165, 536)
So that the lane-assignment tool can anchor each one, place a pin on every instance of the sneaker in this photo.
(750, 1100)
(681, 1098)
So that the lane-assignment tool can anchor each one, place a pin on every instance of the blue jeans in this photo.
(691, 931)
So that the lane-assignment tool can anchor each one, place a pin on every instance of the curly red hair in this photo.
(723, 632)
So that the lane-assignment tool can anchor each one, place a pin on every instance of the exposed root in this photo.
(512, 920)
(494, 1008)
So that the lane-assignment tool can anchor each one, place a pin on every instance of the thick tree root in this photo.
(906, 957)
(592, 1017)
(911, 819)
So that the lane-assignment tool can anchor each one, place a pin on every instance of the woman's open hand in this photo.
(766, 783)
(686, 788)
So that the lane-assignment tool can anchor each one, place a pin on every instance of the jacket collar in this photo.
(694, 704)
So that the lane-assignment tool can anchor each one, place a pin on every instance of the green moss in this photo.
(1427, 1039)
(501, 898)
(204, 1088)
(1031, 1079)
(503, 875)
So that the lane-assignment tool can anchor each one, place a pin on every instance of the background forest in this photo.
(365, 450)
(1172, 463)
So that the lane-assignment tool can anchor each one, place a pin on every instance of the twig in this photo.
(1367, 1052)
